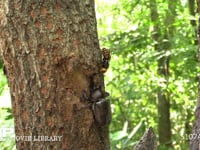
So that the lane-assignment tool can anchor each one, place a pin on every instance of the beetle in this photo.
(100, 106)
(102, 112)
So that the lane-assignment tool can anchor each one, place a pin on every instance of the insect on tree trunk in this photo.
(52, 58)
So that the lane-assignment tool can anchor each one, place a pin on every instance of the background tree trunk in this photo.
(192, 11)
(189, 114)
(162, 46)
(147, 141)
(51, 54)
(194, 137)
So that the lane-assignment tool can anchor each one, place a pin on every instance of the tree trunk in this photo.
(162, 45)
(194, 137)
(147, 142)
(192, 10)
(189, 113)
(52, 58)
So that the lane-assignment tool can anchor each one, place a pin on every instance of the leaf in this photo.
(118, 135)
(133, 133)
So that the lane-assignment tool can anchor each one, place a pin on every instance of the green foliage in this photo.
(3, 81)
(6, 121)
(122, 139)
(6, 118)
(132, 80)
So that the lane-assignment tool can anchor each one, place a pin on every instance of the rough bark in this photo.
(147, 142)
(194, 136)
(51, 54)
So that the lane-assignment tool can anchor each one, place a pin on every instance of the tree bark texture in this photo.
(194, 141)
(51, 54)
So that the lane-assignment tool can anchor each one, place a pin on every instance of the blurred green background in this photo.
(139, 34)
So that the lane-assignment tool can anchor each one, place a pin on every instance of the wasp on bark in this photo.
(98, 102)
(106, 60)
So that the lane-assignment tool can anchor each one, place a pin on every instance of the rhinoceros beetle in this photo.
(100, 107)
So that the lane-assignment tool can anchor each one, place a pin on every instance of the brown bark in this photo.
(51, 54)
